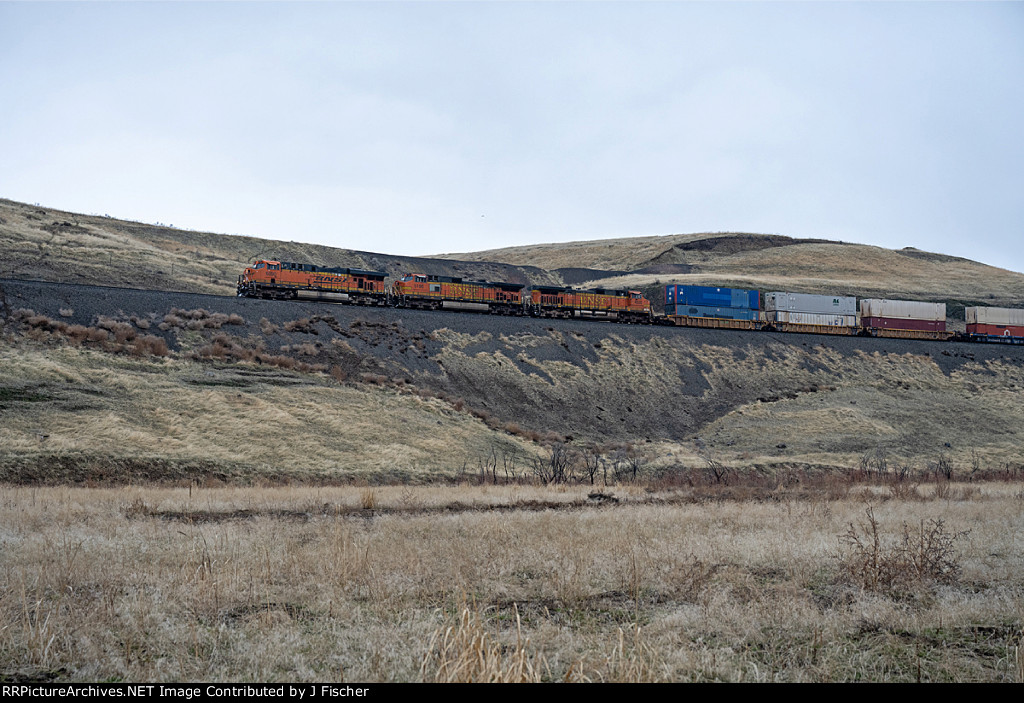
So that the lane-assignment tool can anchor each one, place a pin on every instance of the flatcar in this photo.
(284, 280)
(995, 325)
(714, 307)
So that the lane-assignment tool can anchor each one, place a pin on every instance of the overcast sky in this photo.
(415, 128)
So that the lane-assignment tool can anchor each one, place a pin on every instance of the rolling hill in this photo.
(53, 245)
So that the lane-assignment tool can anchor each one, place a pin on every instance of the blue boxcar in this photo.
(710, 311)
(712, 297)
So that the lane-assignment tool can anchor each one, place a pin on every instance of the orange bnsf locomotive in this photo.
(628, 306)
(427, 292)
(283, 280)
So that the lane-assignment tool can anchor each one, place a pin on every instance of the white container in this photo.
(810, 318)
(806, 302)
(902, 309)
(994, 316)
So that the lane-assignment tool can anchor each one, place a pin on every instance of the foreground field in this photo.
(837, 582)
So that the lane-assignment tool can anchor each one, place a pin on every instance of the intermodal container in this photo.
(994, 316)
(995, 330)
(810, 318)
(805, 302)
(713, 297)
(903, 323)
(902, 310)
(723, 313)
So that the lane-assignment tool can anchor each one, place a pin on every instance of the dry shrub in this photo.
(310, 368)
(171, 320)
(905, 490)
(42, 322)
(925, 555)
(464, 652)
(77, 334)
(199, 319)
(284, 362)
(123, 332)
(338, 374)
(66, 312)
(267, 327)
(305, 325)
(95, 334)
(215, 320)
(150, 344)
(139, 322)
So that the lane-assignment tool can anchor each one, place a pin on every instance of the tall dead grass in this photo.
(277, 583)
(463, 651)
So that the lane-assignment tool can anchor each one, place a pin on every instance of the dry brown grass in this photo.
(143, 584)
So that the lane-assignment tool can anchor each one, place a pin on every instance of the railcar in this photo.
(904, 319)
(285, 280)
(810, 314)
(994, 325)
(713, 307)
(429, 292)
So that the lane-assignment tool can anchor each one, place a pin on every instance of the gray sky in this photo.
(437, 127)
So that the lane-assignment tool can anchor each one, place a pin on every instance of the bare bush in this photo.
(925, 555)
(559, 466)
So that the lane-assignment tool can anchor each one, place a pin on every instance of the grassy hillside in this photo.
(53, 245)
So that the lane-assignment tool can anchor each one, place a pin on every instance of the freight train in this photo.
(685, 306)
